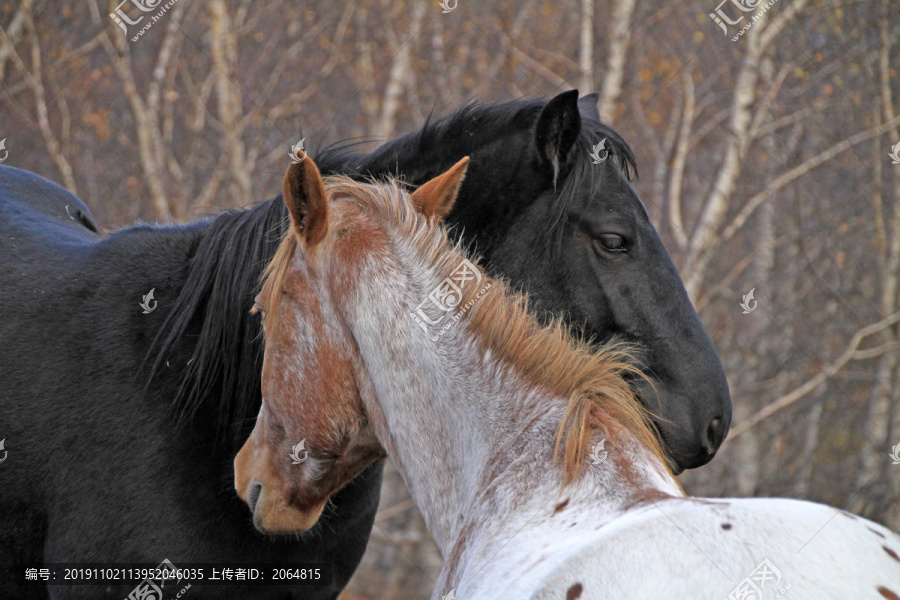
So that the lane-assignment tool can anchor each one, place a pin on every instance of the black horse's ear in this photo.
(587, 106)
(558, 126)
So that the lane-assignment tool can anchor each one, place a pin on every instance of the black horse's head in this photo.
(541, 171)
(610, 271)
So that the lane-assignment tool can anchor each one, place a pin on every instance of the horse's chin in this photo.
(671, 463)
(283, 519)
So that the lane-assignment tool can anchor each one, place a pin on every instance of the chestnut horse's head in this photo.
(312, 435)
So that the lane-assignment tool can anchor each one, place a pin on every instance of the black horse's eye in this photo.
(611, 242)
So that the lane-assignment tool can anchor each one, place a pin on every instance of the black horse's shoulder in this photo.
(34, 191)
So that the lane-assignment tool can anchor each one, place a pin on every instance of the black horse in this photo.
(122, 414)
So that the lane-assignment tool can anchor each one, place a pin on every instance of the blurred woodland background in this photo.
(764, 165)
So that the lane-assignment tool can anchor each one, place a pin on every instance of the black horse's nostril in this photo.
(715, 434)
(253, 495)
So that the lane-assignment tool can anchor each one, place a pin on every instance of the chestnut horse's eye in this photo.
(257, 308)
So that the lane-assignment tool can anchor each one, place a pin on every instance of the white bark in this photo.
(146, 108)
(586, 50)
(225, 56)
(620, 37)
(757, 41)
(398, 80)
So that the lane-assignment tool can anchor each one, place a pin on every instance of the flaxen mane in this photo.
(593, 380)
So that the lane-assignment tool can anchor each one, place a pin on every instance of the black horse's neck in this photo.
(500, 181)
(209, 337)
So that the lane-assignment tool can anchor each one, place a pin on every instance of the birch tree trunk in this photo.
(225, 56)
(146, 108)
(882, 421)
(399, 78)
(586, 51)
(757, 41)
(620, 36)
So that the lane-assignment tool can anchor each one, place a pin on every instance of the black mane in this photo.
(473, 125)
(223, 364)
(213, 310)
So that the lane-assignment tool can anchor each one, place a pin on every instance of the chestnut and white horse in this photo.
(526, 453)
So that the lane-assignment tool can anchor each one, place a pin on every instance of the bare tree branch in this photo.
(850, 353)
(802, 169)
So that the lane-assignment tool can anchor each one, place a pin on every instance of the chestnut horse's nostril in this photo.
(253, 495)
(715, 435)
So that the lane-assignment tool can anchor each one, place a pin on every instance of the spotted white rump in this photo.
(697, 549)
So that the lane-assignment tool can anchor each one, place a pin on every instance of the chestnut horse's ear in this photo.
(306, 200)
(436, 197)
